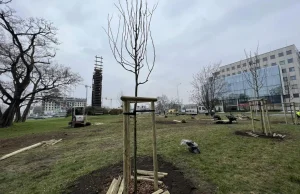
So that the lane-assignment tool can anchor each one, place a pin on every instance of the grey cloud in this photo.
(187, 34)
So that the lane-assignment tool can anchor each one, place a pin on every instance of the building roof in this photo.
(260, 54)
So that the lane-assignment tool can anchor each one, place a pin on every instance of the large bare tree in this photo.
(27, 47)
(208, 87)
(131, 44)
(255, 76)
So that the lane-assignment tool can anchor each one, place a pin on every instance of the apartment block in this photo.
(61, 104)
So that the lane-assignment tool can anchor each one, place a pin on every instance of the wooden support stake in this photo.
(263, 116)
(21, 150)
(116, 186)
(284, 110)
(151, 173)
(126, 153)
(152, 177)
(268, 118)
(155, 165)
(294, 110)
(158, 191)
(128, 142)
(252, 119)
(121, 187)
(111, 186)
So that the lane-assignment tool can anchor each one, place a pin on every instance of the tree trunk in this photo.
(18, 115)
(27, 109)
(135, 136)
(8, 115)
(261, 113)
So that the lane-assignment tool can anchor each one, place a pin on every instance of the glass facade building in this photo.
(238, 86)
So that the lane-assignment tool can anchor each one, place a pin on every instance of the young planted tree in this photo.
(208, 87)
(130, 44)
(255, 77)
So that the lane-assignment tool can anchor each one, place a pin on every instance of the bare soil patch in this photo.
(259, 135)
(12, 144)
(166, 122)
(98, 181)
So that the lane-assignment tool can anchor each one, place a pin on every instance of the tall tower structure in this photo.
(97, 83)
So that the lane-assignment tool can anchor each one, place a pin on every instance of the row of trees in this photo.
(28, 71)
(164, 103)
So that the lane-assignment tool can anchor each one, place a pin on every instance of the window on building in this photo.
(238, 66)
(280, 54)
(290, 60)
(233, 68)
(228, 69)
(283, 70)
(273, 64)
(285, 79)
(265, 59)
(294, 86)
(291, 69)
(296, 95)
(233, 73)
(244, 64)
(282, 62)
(239, 72)
(265, 65)
(288, 52)
(228, 74)
(293, 77)
(223, 70)
(272, 57)
(245, 70)
(223, 76)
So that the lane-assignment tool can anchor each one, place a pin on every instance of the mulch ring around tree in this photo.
(274, 135)
(99, 180)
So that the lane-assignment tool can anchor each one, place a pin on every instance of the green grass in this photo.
(227, 163)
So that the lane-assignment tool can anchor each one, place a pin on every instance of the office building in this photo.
(279, 72)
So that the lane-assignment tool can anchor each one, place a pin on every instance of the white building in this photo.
(58, 105)
(288, 61)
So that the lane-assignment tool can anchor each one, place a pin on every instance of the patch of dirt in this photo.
(166, 122)
(13, 144)
(145, 187)
(98, 181)
(277, 122)
(260, 135)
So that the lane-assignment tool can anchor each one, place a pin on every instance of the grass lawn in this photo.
(228, 163)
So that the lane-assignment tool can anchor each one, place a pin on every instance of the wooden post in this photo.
(284, 108)
(263, 116)
(126, 153)
(128, 143)
(252, 119)
(268, 118)
(155, 165)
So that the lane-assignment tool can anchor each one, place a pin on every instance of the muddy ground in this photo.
(98, 181)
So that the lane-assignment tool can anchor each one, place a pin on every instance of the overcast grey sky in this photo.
(188, 34)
